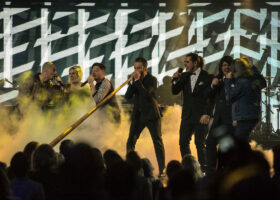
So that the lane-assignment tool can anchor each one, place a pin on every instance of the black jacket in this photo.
(217, 95)
(145, 102)
(195, 103)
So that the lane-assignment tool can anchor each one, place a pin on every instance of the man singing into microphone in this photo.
(196, 107)
(39, 87)
(146, 111)
(221, 115)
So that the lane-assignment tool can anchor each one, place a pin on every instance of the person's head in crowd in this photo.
(134, 160)
(190, 163)
(84, 159)
(192, 62)
(172, 168)
(44, 158)
(60, 159)
(75, 74)
(81, 173)
(248, 179)
(98, 71)
(29, 150)
(241, 69)
(48, 71)
(121, 181)
(65, 147)
(99, 162)
(276, 159)
(111, 157)
(252, 187)
(3, 166)
(5, 189)
(19, 165)
(225, 66)
(182, 185)
(147, 168)
(141, 65)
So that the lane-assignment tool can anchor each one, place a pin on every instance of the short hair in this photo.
(48, 65)
(142, 60)
(100, 65)
(194, 57)
(19, 164)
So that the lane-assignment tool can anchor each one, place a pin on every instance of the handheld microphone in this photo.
(84, 83)
(174, 80)
(180, 70)
(58, 81)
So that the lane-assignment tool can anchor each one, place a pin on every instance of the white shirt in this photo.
(194, 78)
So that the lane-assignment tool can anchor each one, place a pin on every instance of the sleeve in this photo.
(130, 91)
(177, 86)
(210, 94)
(259, 77)
(233, 91)
(102, 92)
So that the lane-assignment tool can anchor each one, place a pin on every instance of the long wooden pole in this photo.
(83, 118)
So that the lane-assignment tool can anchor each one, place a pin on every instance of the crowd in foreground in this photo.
(80, 171)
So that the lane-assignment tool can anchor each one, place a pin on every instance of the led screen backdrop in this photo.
(85, 34)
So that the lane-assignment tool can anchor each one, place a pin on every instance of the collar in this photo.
(196, 72)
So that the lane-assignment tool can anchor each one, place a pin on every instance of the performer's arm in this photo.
(150, 90)
(259, 77)
(233, 91)
(178, 85)
(102, 92)
(130, 91)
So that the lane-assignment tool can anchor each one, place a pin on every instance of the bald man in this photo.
(38, 87)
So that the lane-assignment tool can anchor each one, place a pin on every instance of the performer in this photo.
(245, 95)
(102, 89)
(146, 111)
(73, 87)
(221, 115)
(39, 87)
(196, 107)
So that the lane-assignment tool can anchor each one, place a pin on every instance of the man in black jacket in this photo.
(196, 107)
(222, 124)
(146, 111)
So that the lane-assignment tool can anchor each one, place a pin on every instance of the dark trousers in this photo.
(244, 128)
(154, 127)
(187, 128)
(218, 131)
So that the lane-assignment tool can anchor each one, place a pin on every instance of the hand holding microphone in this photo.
(215, 81)
(58, 81)
(178, 73)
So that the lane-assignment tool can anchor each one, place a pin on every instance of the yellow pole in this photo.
(83, 118)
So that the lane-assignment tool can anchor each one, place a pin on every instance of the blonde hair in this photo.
(241, 68)
(77, 69)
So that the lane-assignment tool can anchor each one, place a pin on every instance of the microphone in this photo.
(180, 70)
(174, 80)
(58, 81)
(84, 83)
